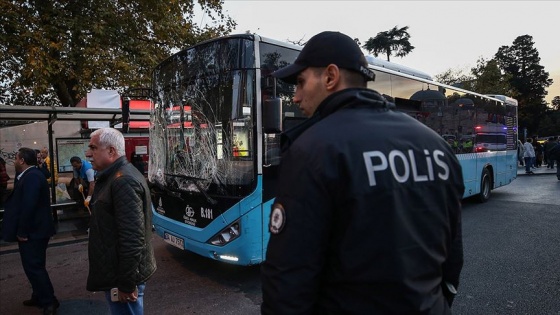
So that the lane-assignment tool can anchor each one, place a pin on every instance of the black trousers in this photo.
(33, 255)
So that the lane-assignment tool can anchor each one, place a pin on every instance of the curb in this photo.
(537, 172)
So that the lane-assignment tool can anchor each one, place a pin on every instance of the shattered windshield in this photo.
(201, 135)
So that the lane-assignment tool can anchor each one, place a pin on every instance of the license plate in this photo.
(174, 240)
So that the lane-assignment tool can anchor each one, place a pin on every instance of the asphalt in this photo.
(75, 230)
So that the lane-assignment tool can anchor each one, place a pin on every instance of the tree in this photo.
(54, 52)
(394, 40)
(489, 79)
(549, 125)
(556, 103)
(527, 77)
(454, 77)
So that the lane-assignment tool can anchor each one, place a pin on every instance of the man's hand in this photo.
(22, 239)
(128, 297)
(81, 188)
(86, 202)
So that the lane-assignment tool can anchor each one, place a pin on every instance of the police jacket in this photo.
(120, 249)
(367, 218)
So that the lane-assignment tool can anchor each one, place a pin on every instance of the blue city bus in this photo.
(216, 119)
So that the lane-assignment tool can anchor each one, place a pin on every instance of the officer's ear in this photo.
(331, 77)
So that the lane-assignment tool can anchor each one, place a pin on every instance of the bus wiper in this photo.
(165, 189)
(195, 180)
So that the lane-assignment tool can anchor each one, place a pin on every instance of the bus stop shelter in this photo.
(51, 115)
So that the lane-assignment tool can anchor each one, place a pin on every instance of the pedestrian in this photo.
(121, 257)
(367, 215)
(28, 220)
(554, 153)
(4, 178)
(551, 143)
(47, 159)
(538, 154)
(84, 175)
(42, 166)
(520, 152)
(529, 155)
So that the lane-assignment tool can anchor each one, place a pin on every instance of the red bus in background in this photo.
(139, 146)
(136, 134)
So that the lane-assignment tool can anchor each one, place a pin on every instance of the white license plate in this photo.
(174, 240)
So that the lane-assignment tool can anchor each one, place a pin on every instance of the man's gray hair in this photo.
(110, 137)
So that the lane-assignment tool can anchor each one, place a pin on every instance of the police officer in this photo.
(367, 218)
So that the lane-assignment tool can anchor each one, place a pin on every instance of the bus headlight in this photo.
(226, 235)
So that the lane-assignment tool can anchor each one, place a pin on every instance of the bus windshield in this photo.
(202, 120)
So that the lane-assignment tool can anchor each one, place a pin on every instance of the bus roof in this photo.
(374, 63)
(505, 99)
(371, 60)
(398, 68)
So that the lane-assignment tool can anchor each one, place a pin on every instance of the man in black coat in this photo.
(121, 257)
(28, 220)
(367, 215)
(554, 154)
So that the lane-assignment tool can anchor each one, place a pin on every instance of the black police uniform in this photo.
(368, 214)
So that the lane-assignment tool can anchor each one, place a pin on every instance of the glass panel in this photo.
(511, 124)
(382, 84)
(273, 58)
(462, 119)
(202, 122)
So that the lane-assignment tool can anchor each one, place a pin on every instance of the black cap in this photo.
(324, 49)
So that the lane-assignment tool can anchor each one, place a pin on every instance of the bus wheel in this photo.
(485, 186)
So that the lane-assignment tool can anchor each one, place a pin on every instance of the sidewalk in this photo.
(538, 171)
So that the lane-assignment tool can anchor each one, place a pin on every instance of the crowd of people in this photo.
(121, 257)
(533, 154)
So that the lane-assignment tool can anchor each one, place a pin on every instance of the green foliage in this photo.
(54, 52)
(395, 40)
(556, 103)
(454, 77)
(549, 124)
(488, 79)
(527, 77)
(515, 72)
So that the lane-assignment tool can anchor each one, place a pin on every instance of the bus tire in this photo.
(485, 186)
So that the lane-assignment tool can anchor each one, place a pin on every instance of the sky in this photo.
(446, 34)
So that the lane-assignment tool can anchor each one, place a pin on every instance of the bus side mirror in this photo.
(272, 115)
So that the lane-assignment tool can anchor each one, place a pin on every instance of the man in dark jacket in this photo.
(42, 166)
(28, 220)
(121, 256)
(549, 159)
(367, 216)
(554, 154)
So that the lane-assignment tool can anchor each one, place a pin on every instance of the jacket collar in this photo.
(351, 97)
(104, 174)
(24, 172)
